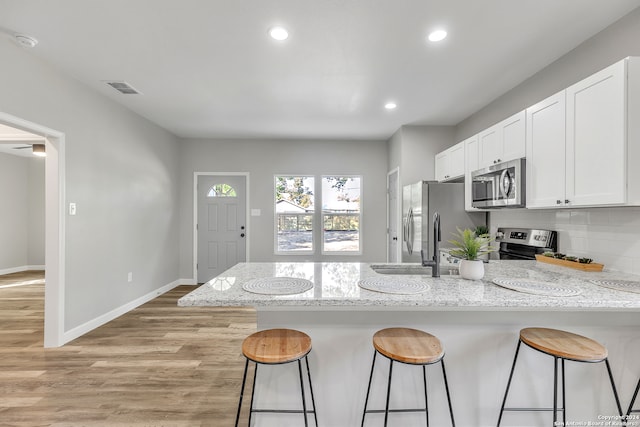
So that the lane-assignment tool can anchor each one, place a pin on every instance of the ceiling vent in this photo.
(123, 87)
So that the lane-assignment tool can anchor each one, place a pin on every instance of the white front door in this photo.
(393, 201)
(221, 224)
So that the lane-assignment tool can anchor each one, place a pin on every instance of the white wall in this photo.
(608, 235)
(121, 170)
(266, 158)
(14, 213)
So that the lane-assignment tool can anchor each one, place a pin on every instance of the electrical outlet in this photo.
(72, 208)
(130, 277)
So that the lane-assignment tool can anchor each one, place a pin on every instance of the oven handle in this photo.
(515, 255)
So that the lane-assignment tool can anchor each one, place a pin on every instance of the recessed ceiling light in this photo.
(278, 33)
(436, 36)
(390, 105)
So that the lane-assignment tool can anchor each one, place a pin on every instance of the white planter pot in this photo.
(472, 270)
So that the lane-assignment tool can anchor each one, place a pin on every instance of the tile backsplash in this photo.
(611, 236)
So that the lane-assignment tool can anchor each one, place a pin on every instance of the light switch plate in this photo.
(72, 208)
(256, 212)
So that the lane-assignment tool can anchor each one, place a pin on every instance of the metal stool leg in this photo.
(253, 390)
(446, 387)
(366, 400)
(313, 400)
(386, 411)
(613, 386)
(633, 399)
(555, 390)
(426, 399)
(564, 401)
(304, 403)
(504, 400)
(244, 379)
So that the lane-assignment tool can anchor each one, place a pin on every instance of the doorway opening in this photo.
(220, 222)
(54, 226)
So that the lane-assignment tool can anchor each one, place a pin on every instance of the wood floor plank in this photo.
(158, 365)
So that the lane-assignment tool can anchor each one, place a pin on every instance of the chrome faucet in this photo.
(434, 263)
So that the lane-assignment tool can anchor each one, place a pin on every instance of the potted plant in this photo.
(469, 246)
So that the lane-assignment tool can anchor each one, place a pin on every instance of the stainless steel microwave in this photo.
(499, 186)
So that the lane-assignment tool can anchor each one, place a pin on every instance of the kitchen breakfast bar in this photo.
(477, 322)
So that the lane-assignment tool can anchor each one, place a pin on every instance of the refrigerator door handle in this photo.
(410, 232)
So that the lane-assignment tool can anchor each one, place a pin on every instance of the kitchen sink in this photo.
(415, 269)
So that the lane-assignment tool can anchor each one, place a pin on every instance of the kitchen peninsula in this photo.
(477, 321)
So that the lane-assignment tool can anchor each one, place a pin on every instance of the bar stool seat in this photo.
(409, 346)
(561, 345)
(277, 347)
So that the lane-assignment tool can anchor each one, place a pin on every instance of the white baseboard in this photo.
(107, 317)
(21, 269)
(188, 282)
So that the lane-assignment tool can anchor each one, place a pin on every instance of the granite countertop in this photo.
(335, 286)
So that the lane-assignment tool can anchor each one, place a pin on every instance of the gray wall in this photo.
(14, 212)
(413, 149)
(121, 170)
(21, 212)
(610, 45)
(266, 158)
(36, 233)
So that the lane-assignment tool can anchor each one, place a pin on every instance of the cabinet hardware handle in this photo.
(558, 202)
(567, 201)
(498, 161)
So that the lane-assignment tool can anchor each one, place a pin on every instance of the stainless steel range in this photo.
(525, 243)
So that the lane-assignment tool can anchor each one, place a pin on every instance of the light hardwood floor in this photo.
(158, 365)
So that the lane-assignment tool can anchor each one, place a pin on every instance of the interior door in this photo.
(221, 224)
(393, 204)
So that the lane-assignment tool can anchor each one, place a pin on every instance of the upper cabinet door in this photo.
(449, 164)
(489, 146)
(513, 137)
(503, 141)
(471, 164)
(596, 138)
(545, 143)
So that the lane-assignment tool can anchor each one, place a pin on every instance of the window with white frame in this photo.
(336, 225)
(294, 211)
(341, 214)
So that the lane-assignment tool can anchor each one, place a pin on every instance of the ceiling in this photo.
(207, 68)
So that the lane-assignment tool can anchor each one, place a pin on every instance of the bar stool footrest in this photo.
(532, 409)
(284, 411)
(382, 411)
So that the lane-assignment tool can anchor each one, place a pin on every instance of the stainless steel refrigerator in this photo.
(419, 202)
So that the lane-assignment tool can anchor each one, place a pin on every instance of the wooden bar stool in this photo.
(409, 346)
(633, 400)
(277, 347)
(562, 346)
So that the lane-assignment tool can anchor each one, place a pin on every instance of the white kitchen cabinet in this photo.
(583, 144)
(471, 164)
(545, 175)
(596, 138)
(503, 141)
(450, 163)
